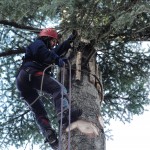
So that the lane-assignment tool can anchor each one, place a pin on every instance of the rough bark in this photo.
(86, 97)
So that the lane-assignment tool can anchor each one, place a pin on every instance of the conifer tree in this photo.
(110, 36)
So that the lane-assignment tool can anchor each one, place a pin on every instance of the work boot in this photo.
(75, 114)
(51, 138)
(50, 134)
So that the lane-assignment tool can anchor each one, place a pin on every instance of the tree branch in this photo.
(12, 52)
(19, 26)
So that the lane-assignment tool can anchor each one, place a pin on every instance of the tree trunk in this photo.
(86, 97)
(87, 93)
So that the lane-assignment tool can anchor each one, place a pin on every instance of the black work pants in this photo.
(28, 90)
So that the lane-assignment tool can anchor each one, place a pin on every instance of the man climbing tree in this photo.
(34, 74)
(104, 54)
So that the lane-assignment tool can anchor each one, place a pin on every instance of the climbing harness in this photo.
(41, 88)
(69, 101)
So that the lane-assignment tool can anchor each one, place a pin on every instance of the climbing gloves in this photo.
(73, 36)
(58, 61)
(61, 61)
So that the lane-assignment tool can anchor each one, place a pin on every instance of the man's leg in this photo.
(59, 94)
(30, 95)
(54, 88)
(41, 117)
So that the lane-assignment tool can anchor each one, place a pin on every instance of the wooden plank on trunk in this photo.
(99, 86)
(92, 70)
(78, 66)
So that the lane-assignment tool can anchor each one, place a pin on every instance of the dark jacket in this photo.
(38, 56)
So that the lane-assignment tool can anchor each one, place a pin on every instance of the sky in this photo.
(131, 136)
(134, 135)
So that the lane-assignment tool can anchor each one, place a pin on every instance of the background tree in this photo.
(113, 32)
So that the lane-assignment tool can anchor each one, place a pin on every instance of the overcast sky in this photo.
(131, 136)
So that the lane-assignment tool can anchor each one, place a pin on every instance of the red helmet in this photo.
(50, 32)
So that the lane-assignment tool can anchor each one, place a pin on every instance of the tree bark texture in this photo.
(86, 97)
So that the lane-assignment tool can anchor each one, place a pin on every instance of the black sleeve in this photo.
(62, 48)
(42, 54)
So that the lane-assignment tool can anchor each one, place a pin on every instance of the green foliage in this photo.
(125, 78)
(115, 25)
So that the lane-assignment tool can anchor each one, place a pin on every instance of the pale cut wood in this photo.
(86, 127)
(78, 66)
(92, 70)
(99, 86)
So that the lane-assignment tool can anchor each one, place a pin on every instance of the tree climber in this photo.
(44, 51)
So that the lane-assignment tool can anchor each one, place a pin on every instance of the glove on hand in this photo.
(65, 60)
(54, 55)
(60, 62)
(73, 36)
